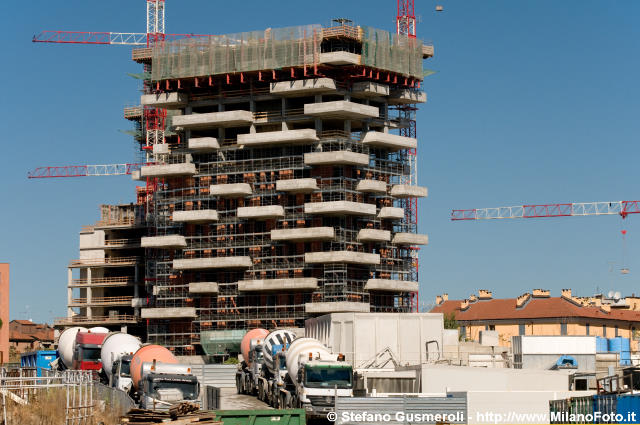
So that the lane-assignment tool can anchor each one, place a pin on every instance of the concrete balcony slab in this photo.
(339, 208)
(388, 285)
(372, 186)
(167, 241)
(408, 191)
(203, 288)
(212, 263)
(336, 157)
(341, 109)
(203, 144)
(168, 170)
(160, 148)
(337, 307)
(340, 58)
(402, 238)
(277, 285)
(305, 135)
(261, 212)
(173, 100)
(196, 216)
(347, 257)
(297, 185)
(231, 190)
(213, 120)
(303, 234)
(407, 97)
(389, 141)
(369, 89)
(391, 213)
(303, 87)
(374, 235)
(168, 312)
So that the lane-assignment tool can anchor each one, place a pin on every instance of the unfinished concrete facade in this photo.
(105, 284)
(278, 182)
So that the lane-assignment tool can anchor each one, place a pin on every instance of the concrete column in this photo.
(252, 108)
(318, 121)
(347, 126)
(283, 110)
(89, 291)
(386, 117)
(69, 292)
(220, 130)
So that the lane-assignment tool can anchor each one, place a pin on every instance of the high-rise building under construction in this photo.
(280, 180)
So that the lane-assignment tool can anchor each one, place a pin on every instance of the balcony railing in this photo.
(105, 261)
(121, 242)
(103, 281)
(116, 318)
(102, 301)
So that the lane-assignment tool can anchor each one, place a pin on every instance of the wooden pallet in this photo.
(182, 414)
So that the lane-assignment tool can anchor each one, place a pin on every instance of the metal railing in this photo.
(116, 318)
(103, 281)
(121, 242)
(102, 301)
(106, 260)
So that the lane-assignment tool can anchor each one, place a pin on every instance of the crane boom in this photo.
(84, 171)
(621, 208)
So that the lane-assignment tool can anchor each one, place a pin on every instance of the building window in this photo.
(616, 331)
(463, 332)
(563, 328)
(587, 328)
(604, 331)
(491, 327)
(521, 329)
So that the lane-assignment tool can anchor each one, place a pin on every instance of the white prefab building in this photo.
(414, 338)
(543, 352)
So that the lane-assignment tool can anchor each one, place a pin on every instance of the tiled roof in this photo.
(535, 308)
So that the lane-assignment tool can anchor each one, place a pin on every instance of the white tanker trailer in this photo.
(274, 369)
(67, 345)
(314, 378)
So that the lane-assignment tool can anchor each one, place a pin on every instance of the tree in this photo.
(450, 321)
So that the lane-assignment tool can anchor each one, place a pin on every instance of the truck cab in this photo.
(121, 374)
(164, 385)
(86, 355)
(319, 382)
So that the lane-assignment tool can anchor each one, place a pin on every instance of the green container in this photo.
(581, 406)
(221, 342)
(261, 417)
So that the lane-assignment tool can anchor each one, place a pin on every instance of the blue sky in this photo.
(534, 101)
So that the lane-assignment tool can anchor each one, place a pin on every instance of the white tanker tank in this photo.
(99, 330)
(298, 354)
(66, 344)
(116, 345)
(278, 340)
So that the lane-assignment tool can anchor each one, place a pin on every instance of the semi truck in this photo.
(252, 360)
(314, 378)
(159, 381)
(116, 354)
(274, 367)
(86, 351)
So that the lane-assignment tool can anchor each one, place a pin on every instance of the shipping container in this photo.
(605, 404)
(627, 405)
(414, 338)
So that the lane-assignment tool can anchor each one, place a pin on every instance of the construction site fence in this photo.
(277, 48)
(113, 399)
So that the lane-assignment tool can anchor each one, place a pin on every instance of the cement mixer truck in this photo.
(159, 381)
(274, 369)
(250, 368)
(314, 378)
(66, 346)
(116, 354)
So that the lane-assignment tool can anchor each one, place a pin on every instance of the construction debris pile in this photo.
(183, 414)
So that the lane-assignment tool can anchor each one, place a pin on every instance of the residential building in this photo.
(28, 336)
(538, 313)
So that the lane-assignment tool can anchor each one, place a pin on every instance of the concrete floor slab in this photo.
(388, 285)
(372, 186)
(340, 208)
(213, 120)
(408, 191)
(341, 109)
(167, 312)
(340, 58)
(195, 216)
(391, 213)
(173, 100)
(305, 135)
(203, 288)
(212, 263)
(407, 97)
(168, 170)
(369, 89)
(166, 241)
(374, 235)
(389, 141)
(297, 185)
(347, 257)
(337, 307)
(300, 87)
(336, 157)
(230, 190)
(271, 285)
(403, 238)
(203, 144)
(261, 212)
(303, 234)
